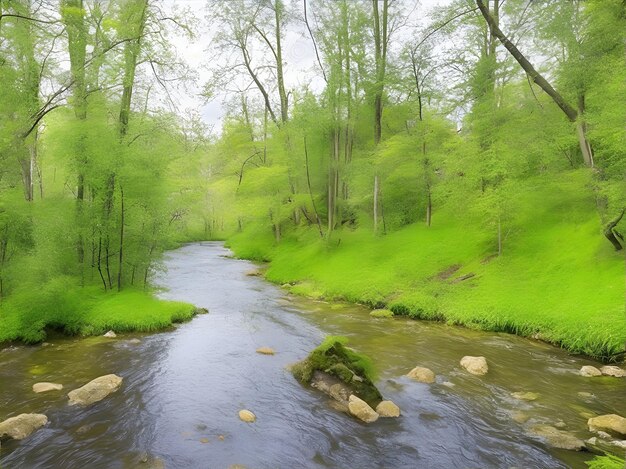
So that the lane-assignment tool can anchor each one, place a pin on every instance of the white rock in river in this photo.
(615, 371)
(475, 365)
(95, 390)
(361, 410)
(387, 409)
(110, 335)
(45, 387)
(610, 422)
(590, 371)
(21, 426)
(422, 374)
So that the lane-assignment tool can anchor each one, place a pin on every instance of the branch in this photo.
(569, 111)
(317, 54)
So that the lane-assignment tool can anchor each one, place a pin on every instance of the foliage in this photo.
(606, 462)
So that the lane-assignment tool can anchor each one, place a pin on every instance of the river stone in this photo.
(525, 396)
(265, 351)
(387, 409)
(610, 422)
(590, 371)
(615, 371)
(361, 410)
(45, 387)
(110, 335)
(95, 390)
(520, 417)
(422, 374)
(247, 416)
(134, 341)
(475, 365)
(19, 427)
(558, 438)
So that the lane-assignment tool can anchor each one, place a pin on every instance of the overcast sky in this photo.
(298, 55)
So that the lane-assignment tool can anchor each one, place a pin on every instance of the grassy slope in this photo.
(85, 311)
(558, 278)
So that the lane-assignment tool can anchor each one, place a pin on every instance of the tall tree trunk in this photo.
(284, 104)
(121, 248)
(376, 192)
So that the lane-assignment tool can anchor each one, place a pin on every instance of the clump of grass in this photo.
(381, 313)
(332, 356)
(59, 305)
(606, 462)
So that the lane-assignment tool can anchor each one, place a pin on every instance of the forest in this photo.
(465, 165)
(457, 161)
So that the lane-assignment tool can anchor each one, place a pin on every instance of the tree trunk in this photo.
(376, 183)
(284, 105)
(614, 236)
(121, 253)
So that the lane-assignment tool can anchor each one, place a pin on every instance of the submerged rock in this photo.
(45, 387)
(110, 335)
(475, 365)
(265, 351)
(388, 409)
(422, 374)
(520, 417)
(558, 438)
(21, 426)
(590, 371)
(95, 390)
(361, 410)
(134, 341)
(525, 396)
(615, 371)
(247, 416)
(332, 363)
(610, 422)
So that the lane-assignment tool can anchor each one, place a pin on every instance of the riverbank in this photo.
(558, 282)
(28, 316)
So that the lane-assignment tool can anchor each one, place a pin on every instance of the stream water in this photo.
(183, 389)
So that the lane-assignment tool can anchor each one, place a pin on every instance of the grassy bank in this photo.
(557, 278)
(27, 315)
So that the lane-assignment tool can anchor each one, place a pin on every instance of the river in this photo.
(183, 388)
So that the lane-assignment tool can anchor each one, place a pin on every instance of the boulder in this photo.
(95, 390)
(590, 371)
(381, 314)
(110, 335)
(45, 387)
(525, 396)
(422, 374)
(361, 410)
(615, 371)
(265, 351)
(333, 363)
(247, 416)
(610, 423)
(387, 409)
(558, 438)
(475, 365)
(21, 426)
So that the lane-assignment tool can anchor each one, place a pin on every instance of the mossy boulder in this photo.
(334, 358)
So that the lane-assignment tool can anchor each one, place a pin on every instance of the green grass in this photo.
(557, 279)
(28, 315)
(606, 462)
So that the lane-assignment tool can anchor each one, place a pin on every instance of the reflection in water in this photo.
(183, 389)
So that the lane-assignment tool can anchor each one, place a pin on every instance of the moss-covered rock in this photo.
(334, 358)
(381, 313)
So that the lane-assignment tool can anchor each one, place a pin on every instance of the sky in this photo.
(299, 57)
